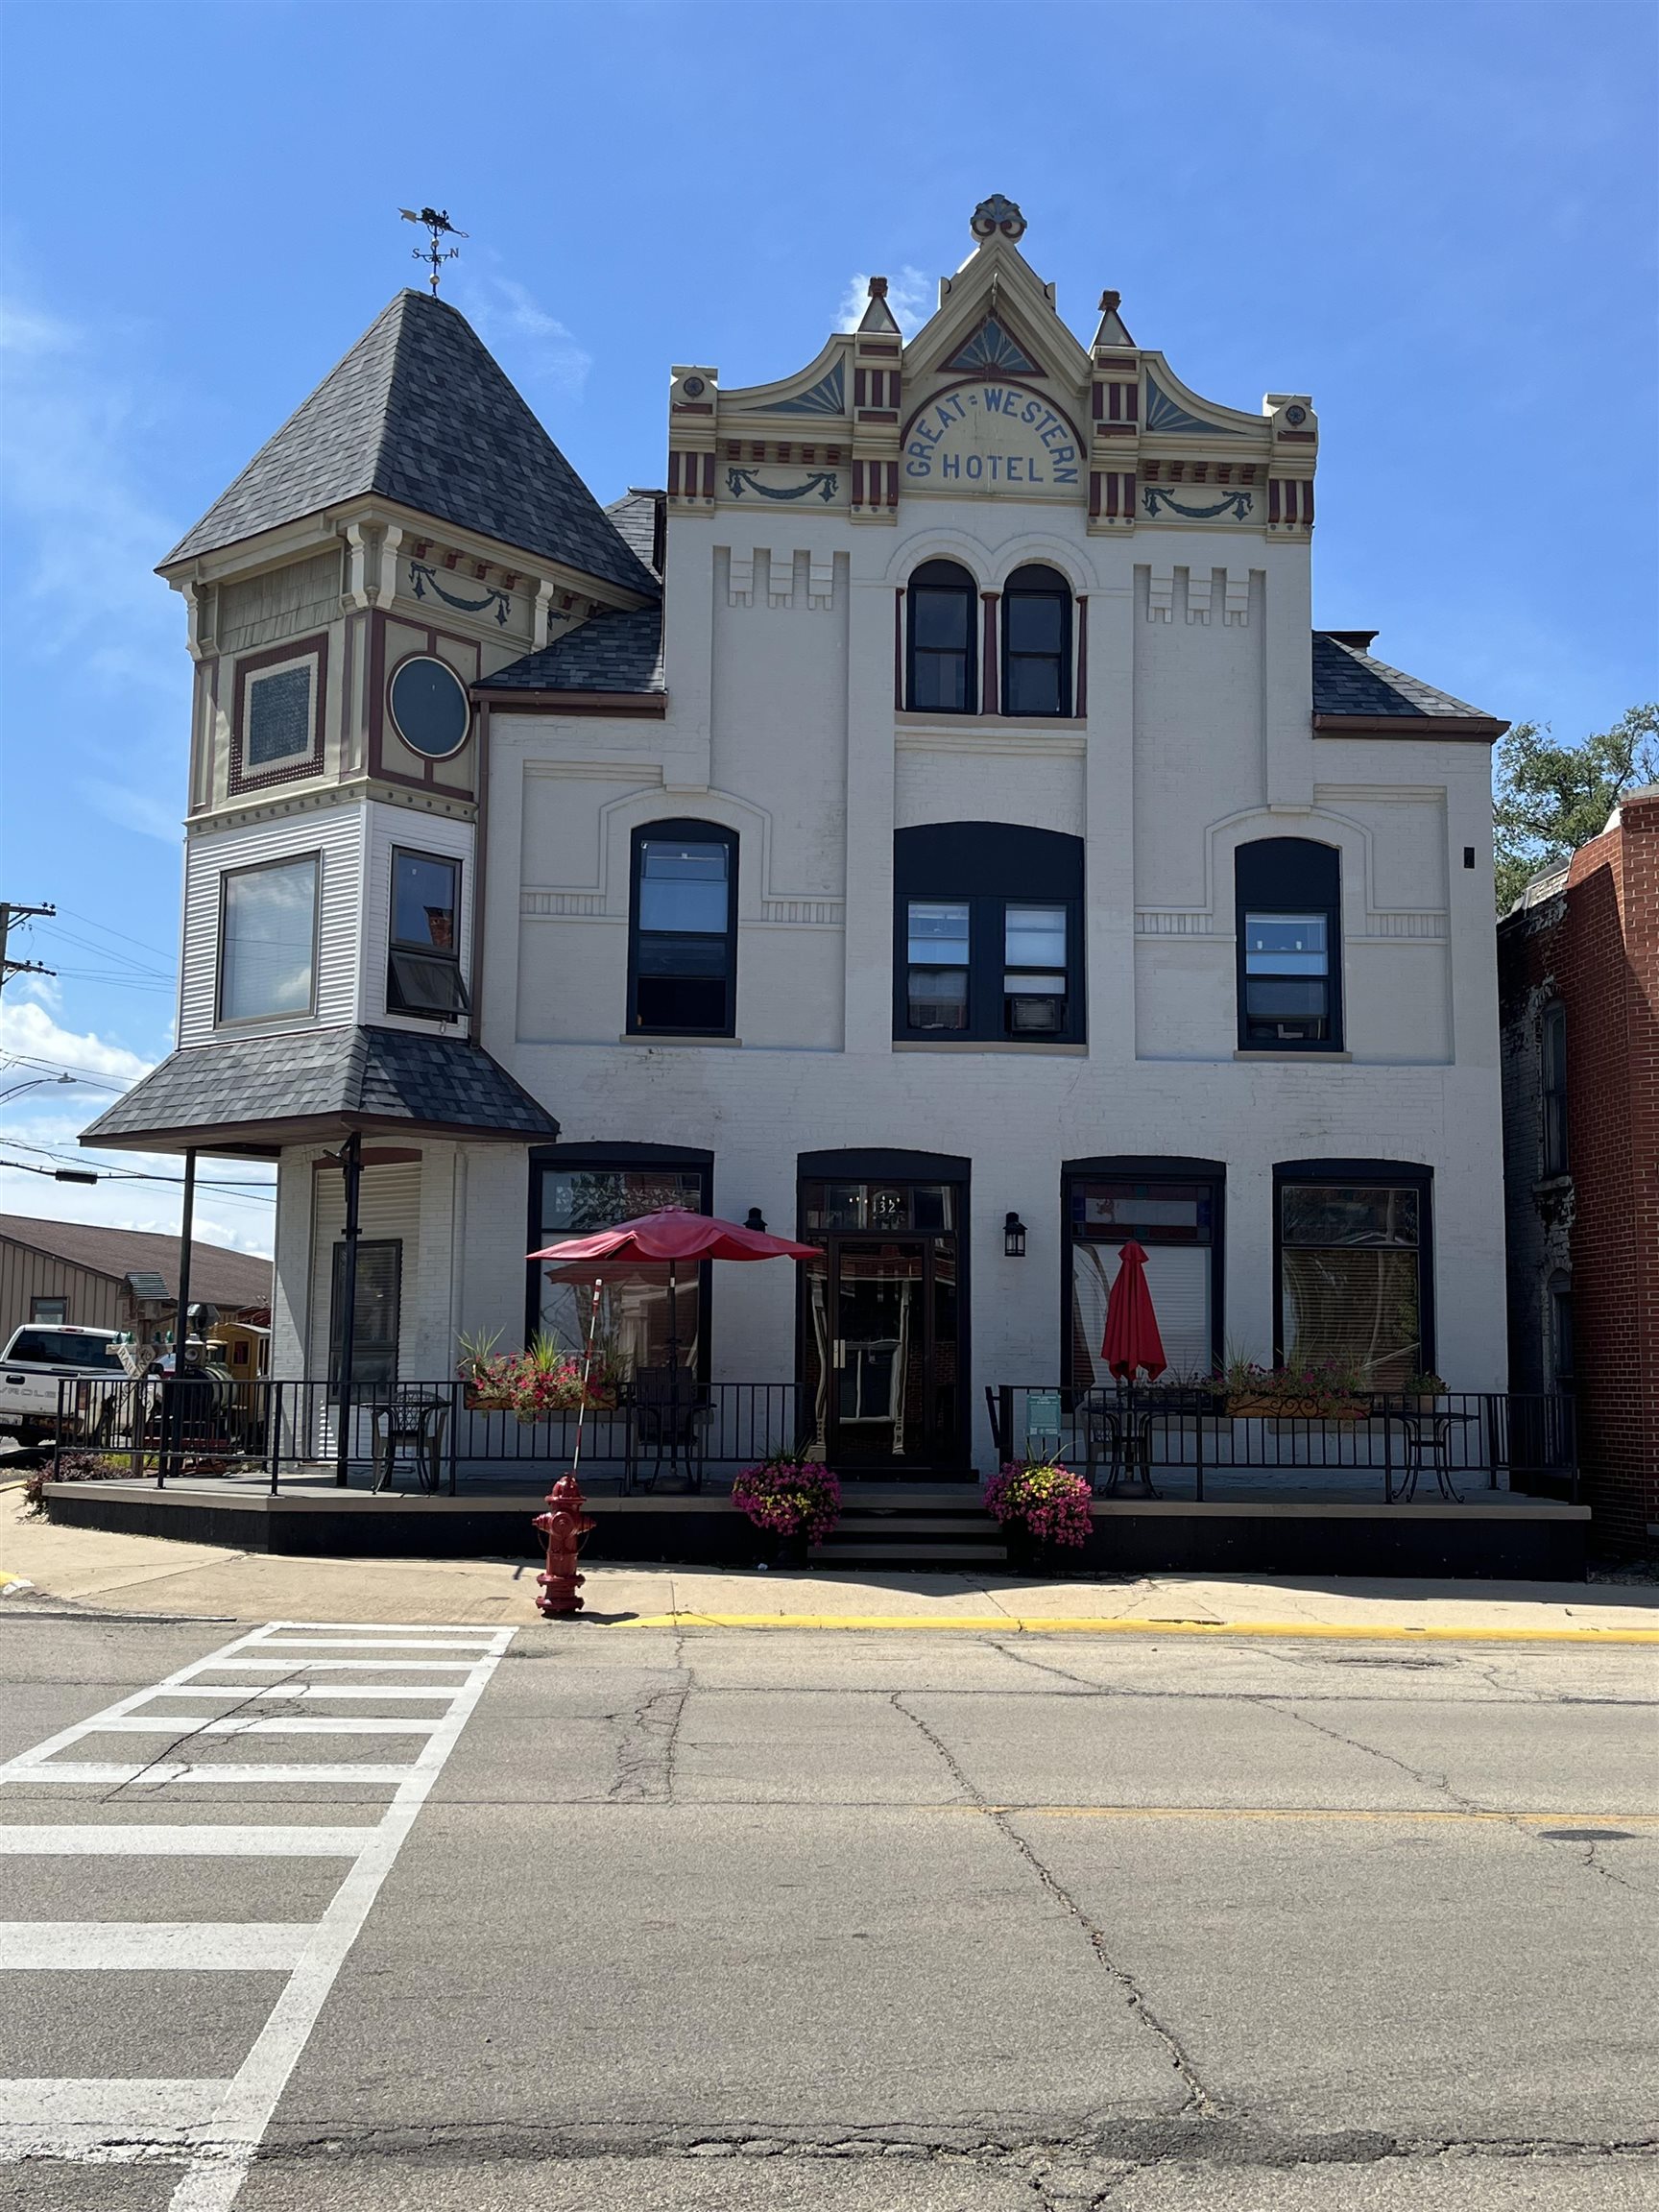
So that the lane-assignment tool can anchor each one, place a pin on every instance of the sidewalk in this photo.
(148, 1575)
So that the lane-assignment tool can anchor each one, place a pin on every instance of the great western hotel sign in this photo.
(992, 438)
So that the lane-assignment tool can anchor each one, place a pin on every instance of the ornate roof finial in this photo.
(998, 214)
(878, 315)
(878, 288)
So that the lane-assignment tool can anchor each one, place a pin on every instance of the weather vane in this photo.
(438, 223)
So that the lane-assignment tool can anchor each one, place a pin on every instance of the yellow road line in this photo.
(1027, 1625)
(1316, 1813)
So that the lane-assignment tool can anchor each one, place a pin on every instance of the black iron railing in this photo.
(1174, 1441)
(433, 1435)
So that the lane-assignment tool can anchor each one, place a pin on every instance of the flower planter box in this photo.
(485, 1401)
(1264, 1406)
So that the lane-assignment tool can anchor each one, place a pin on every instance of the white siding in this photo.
(337, 833)
(389, 1206)
(413, 832)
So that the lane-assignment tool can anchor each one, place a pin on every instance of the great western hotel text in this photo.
(948, 441)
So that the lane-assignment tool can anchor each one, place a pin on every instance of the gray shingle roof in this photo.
(344, 1076)
(640, 517)
(608, 653)
(235, 1281)
(1347, 680)
(420, 412)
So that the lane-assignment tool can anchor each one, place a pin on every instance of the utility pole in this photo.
(8, 915)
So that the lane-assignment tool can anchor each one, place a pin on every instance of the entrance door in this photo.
(883, 1360)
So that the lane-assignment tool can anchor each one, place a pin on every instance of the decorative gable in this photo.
(991, 350)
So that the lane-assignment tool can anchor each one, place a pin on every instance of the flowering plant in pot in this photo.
(796, 1500)
(1043, 1504)
(1301, 1390)
(549, 1380)
(489, 1377)
(1427, 1390)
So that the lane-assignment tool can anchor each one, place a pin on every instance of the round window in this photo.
(429, 706)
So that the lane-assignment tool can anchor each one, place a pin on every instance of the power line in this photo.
(127, 1174)
(93, 1081)
(121, 933)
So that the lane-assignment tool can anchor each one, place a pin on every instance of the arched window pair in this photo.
(1030, 647)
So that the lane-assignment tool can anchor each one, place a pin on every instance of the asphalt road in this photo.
(714, 1921)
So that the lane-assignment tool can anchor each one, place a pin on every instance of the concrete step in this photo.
(860, 1523)
(913, 1553)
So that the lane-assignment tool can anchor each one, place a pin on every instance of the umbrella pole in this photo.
(587, 1364)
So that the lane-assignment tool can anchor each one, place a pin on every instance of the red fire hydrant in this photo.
(566, 1525)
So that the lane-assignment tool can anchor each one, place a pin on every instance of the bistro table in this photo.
(1119, 1429)
(1426, 1432)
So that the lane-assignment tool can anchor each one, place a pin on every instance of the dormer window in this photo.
(276, 717)
(423, 968)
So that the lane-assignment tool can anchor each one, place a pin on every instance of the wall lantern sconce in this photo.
(1014, 1236)
(754, 1219)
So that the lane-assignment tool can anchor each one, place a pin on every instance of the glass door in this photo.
(880, 1358)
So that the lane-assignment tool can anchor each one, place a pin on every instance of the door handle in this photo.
(838, 1354)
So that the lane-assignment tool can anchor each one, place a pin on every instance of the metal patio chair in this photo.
(672, 1417)
(410, 1422)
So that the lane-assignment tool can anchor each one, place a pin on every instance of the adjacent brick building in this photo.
(1578, 980)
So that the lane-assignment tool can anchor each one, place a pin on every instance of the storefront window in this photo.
(1351, 1278)
(1175, 1223)
(633, 1326)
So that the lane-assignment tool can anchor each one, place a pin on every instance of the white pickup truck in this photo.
(41, 1358)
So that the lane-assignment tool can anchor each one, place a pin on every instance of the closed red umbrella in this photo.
(1132, 1339)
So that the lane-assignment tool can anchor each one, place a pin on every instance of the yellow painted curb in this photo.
(1374, 1814)
(1005, 1624)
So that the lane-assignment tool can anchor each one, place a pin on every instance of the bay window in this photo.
(423, 966)
(268, 940)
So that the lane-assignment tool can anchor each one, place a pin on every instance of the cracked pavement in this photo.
(702, 1921)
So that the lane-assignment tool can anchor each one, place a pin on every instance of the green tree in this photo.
(1550, 799)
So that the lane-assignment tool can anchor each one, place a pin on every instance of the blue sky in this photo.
(1438, 220)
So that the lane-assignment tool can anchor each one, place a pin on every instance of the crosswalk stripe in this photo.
(152, 1946)
(37, 2116)
(133, 1840)
(258, 1725)
(362, 1644)
(387, 1690)
(104, 1770)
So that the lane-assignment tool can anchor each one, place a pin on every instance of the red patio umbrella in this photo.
(1132, 1339)
(671, 1235)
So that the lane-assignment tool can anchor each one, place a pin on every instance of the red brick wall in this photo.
(1596, 948)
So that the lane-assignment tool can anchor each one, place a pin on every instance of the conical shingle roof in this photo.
(420, 412)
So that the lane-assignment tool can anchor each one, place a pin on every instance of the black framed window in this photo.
(941, 632)
(1173, 1206)
(988, 935)
(1289, 894)
(423, 966)
(683, 933)
(1036, 642)
(1561, 1362)
(578, 1188)
(1353, 1256)
(49, 1310)
(1552, 1043)
(374, 1327)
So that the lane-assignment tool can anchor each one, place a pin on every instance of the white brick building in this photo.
(931, 820)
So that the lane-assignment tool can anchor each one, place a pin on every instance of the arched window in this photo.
(1289, 894)
(1037, 642)
(942, 633)
(682, 930)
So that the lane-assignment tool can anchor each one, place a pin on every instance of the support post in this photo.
(352, 1166)
(173, 1418)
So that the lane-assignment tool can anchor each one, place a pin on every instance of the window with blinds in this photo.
(1350, 1272)
(268, 941)
(1174, 1222)
(374, 1307)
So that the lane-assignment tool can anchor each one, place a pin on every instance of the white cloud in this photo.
(27, 1032)
(85, 536)
(912, 295)
(531, 344)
